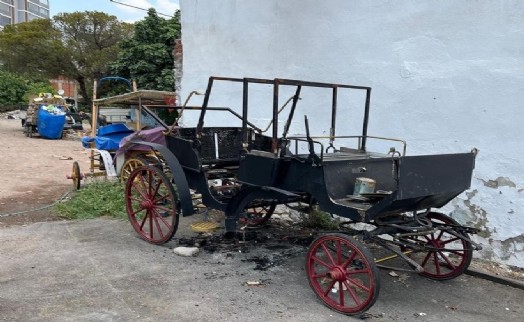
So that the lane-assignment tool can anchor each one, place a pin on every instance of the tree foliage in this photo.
(147, 56)
(15, 89)
(12, 88)
(78, 45)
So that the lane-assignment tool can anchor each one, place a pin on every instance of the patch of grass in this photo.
(318, 219)
(97, 199)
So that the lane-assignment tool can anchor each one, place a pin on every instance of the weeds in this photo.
(315, 218)
(97, 199)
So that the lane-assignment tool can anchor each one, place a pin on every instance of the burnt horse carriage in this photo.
(258, 171)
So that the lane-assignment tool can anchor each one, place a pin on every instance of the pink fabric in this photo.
(155, 135)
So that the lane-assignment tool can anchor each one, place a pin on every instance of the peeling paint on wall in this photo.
(500, 182)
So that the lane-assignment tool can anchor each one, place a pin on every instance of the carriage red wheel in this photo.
(257, 216)
(152, 204)
(342, 273)
(447, 256)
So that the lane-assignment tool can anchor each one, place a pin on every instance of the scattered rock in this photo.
(254, 283)
(186, 251)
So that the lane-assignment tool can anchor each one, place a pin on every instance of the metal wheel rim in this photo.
(151, 204)
(336, 262)
(452, 257)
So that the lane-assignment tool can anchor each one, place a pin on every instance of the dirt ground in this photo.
(33, 172)
(33, 175)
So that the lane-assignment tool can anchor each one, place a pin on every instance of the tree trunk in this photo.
(83, 91)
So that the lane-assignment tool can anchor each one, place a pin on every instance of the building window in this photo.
(21, 16)
(32, 17)
(5, 8)
(4, 21)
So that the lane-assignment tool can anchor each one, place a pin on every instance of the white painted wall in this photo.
(446, 75)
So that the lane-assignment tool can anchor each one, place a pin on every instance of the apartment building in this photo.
(16, 11)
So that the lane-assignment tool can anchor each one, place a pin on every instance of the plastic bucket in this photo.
(364, 185)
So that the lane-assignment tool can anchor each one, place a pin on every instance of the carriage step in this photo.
(349, 202)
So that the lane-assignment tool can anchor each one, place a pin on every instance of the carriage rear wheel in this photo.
(342, 273)
(257, 216)
(152, 204)
(447, 255)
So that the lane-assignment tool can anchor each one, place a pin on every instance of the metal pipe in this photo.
(274, 140)
(333, 116)
(292, 112)
(204, 107)
(245, 138)
(366, 120)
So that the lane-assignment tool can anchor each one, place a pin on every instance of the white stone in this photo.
(186, 251)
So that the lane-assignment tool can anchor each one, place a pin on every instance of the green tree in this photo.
(147, 56)
(78, 45)
(12, 88)
(34, 87)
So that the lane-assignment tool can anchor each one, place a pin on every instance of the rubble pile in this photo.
(11, 115)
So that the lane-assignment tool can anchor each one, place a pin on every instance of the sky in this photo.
(122, 12)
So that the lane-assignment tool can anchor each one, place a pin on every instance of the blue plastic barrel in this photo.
(50, 126)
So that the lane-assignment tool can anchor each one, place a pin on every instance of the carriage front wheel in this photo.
(152, 204)
(342, 273)
(446, 255)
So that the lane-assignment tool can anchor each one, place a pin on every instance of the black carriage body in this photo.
(244, 159)
(415, 182)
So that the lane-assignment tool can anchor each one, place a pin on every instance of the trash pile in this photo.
(53, 109)
(12, 115)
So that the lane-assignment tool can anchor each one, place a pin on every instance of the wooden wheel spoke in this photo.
(327, 290)
(428, 255)
(437, 263)
(447, 260)
(140, 192)
(319, 275)
(441, 233)
(158, 225)
(164, 209)
(352, 293)
(159, 183)
(451, 240)
(358, 271)
(339, 251)
(357, 284)
(341, 293)
(328, 253)
(137, 211)
(163, 220)
(161, 198)
(321, 262)
(349, 260)
(144, 220)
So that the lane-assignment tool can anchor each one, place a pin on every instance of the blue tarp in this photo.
(108, 137)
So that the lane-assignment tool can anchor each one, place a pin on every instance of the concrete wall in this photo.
(447, 76)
